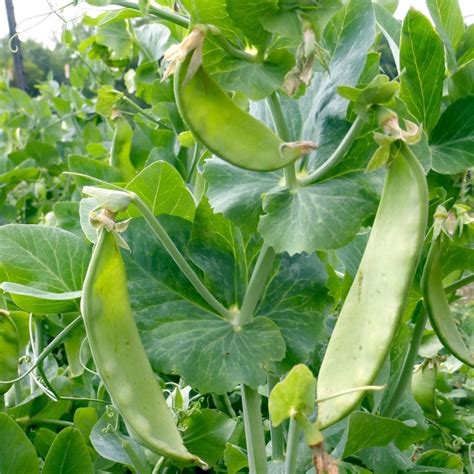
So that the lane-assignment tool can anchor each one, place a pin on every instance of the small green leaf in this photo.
(235, 458)
(206, 433)
(294, 395)
(17, 453)
(107, 100)
(452, 140)
(312, 218)
(162, 188)
(68, 454)
(116, 37)
(441, 459)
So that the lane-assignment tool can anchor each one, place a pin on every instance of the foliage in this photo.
(236, 278)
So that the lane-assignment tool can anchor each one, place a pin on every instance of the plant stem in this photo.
(137, 463)
(178, 258)
(163, 13)
(405, 377)
(254, 433)
(256, 285)
(276, 432)
(143, 112)
(337, 155)
(284, 133)
(459, 283)
(26, 421)
(294, 434)
(180, 20)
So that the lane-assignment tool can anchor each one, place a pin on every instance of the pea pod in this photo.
(120, 357)
(423, 386)
(9, 350)
(372, 310)
(224, 128)
(121, 146)
(437, 307)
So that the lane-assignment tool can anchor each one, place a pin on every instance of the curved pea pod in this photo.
(9, 350)
(120, 357)
(121, 146)
(423, 387)
(225, 129)
(437, 307)
(372, 310)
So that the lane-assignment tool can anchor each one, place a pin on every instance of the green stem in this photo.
(180, 20)
(294, 434)
(285, 134)
(405, 377)
(178, 258)
(459, 283)
(338, 154)
(254, 434)
(26, 421)
(143, 112)
(276, 432)
(163, 13)
(256, 285)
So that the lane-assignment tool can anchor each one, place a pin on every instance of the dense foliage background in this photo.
(219, 216)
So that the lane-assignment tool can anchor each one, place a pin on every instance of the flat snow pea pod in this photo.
(9, 350)
(372, 310)
(437, 307)
(423, 386)
(120, 357)
(225, 129)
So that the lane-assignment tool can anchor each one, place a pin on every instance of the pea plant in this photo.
(239, 239)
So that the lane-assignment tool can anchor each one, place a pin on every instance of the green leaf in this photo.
(297, 301)
(348, 36)
(461, 83)
(179, 334)
(365, 430)
(97, 169)
(452, 140)
(295, 394)
(441, 459)
(449, 22)
(43, 440)
(217, 247)
(162, 188)
(386, 460)
(107, 99)
(235, 458)
(46, 259)
(237, 192)
(206, 433)
(116, 37)
(68, 454)
(320, 217)
(465, 52)
(17, 453)
(67, 216)
(422, 58)
(245, 14)
(153, 40)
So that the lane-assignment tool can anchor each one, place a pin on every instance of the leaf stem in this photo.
(143, 112)
(294, 434)
(421, 317)
(180, 20)
(459, 283)
(178, 258)
(337, 155)
(256, 285)
(163, 13)
(254, 433)
(276, 432)
(284, 133)
(26, 421)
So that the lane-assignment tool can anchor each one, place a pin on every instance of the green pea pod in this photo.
(227, 130)
(423, 387)
(9, 350)
(373, 307)
(121, 146)
(437, 307)
(119, 354)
